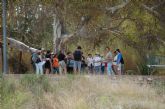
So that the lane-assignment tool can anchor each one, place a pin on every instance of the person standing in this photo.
(114, 63)
(77, 60)
(120, 62)
(55, 64)
(48, 62)
(97, 63)
(90, 64)
(39, 62)
(42, 61)
(109, 59)
(62, 64)
(70, 62)
(102, 65)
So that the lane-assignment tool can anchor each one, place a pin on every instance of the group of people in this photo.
(113, 64)
(45, 62)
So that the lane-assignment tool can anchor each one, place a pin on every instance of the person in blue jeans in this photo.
(77, 60)
(97, 63)
(109, 59)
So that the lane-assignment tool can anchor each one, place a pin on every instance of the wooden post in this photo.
(1, 58)
(20, 61)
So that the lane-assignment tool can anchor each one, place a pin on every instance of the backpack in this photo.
(122, 60)
(55, 62)
(35, 58)
(77, 55)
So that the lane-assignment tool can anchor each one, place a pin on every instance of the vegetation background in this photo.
(137, 27)
(81, 92)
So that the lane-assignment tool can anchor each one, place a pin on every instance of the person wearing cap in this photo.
(97, 63)
(109, 59)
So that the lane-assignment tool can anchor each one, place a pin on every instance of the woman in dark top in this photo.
(48, 62)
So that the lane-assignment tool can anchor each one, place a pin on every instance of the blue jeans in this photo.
(102, 69)
(109, 68)
(77, 65)
(56, 70)
(39, 67)
(97, 69)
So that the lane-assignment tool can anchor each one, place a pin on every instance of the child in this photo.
(97, 63)
(102, 65)
(55, 64)
(90, 63)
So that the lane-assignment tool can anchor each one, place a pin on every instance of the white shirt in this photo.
(90, 61)
(115, 60)
(97, 60)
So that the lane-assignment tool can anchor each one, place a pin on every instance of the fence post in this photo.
(4, 37)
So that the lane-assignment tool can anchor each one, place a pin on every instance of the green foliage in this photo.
(12, 94)
(144, 70)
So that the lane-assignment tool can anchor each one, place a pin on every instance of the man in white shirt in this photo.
(97, 63)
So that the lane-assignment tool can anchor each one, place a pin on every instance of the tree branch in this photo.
(20, 45)
(159, 5)
(115, 8)
(151, 10)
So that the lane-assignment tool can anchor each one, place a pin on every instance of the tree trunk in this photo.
(1, 58)
(56, 33)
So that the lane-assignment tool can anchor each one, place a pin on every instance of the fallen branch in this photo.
(20, 45)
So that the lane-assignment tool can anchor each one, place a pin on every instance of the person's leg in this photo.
(54, 70)
(57, 69)
(37, 68)
(102, 70)
(75, 67)
(109, 68)
(115, 69)
(94, 70)
(119, 69)
(60, 67)
(64, 67)
(97, 70)
(122, 69)
(79, 67)
(41, 67)
(47, 70)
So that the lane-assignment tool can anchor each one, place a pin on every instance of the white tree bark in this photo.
(13, 43)
(115, 8)
(56, 33)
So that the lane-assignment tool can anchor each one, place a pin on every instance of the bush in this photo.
(143, 69)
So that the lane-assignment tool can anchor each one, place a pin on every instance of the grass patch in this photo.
(79, 92)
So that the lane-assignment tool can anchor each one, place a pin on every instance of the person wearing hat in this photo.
(97, 63)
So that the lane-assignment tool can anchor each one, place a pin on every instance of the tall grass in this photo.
(80, 92)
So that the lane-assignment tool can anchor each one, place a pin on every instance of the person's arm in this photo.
(119, 58)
